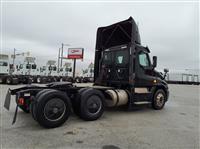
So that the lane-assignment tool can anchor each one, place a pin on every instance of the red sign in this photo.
(75, 53)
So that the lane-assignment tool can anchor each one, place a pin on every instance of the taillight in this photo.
(21, 101)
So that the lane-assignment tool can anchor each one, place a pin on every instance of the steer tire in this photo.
(92, 104)
(76, 102)
(53, 108)
(159, 99)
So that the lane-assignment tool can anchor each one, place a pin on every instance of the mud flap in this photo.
(7, 100)
(15, 116)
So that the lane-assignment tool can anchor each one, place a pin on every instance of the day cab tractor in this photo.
(6, 71)
(123, 75)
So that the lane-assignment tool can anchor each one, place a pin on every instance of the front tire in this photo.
(159, 99)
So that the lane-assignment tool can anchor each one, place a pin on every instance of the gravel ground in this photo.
(174, 127)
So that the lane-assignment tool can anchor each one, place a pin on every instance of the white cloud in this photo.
(169, 29)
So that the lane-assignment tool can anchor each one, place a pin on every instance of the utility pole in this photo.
(58, 60)
(74, 68)
(18, 54)
(14, 57)
(61, 54)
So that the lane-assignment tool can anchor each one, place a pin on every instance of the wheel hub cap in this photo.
(160, 99)
(54, 109)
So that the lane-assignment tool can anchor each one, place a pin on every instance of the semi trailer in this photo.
(123, 76)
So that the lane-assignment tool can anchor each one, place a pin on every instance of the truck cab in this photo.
(4, 67)
(121, 61)
(51, 71)
(27, 70)
(88, 74)
(6, 75)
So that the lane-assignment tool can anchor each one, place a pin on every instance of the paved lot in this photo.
(174, 127)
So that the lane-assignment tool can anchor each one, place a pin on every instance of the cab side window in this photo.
(144, 59)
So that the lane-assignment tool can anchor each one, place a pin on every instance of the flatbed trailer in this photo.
(123, 76)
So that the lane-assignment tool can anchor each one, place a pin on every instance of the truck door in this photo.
(144, 77)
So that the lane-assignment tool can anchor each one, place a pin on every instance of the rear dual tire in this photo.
(51, 108)
(89, 104)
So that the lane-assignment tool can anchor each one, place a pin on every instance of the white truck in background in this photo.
(50, 73)
(6, 71)
(65, 73)
(27, 71)
(87, 75)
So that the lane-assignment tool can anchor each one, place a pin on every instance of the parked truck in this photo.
(88, 74)
(6, 71)
(123, 75)
(27, 71)
(65, 73)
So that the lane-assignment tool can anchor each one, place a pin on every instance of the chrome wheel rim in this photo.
(38, 80)
(160, 99)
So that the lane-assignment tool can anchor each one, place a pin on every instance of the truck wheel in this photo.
(39, 80)
(53, 109)
(61, 79)
(1, 80)
(33, 105)
(70, 79)
(54, 79)
(30, 80)
(92, 105)
(159, 99)
(76, 102)
(44, 80)
(8, 80)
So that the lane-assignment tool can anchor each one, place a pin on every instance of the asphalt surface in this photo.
(174, 127)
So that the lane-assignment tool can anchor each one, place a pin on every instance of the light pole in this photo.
(18, 54)
(58, 60)
(14, 57)
(62, 52)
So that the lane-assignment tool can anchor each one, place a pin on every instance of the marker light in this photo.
(21, 101)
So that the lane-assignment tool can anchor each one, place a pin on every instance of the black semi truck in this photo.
(123, 75)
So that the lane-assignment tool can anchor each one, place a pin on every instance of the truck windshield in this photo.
(28, 66)
(20, 66)
(50, 68)
(144, 59)
(34, 66)
(54, 68)
(3, 64)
